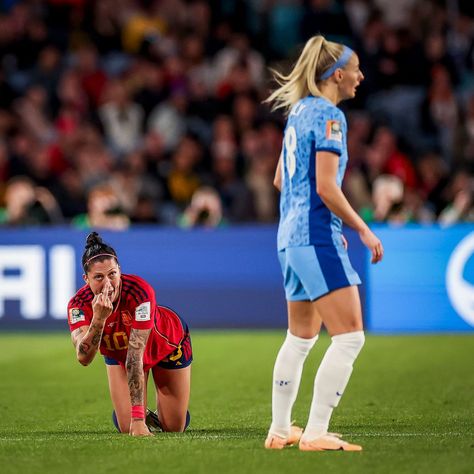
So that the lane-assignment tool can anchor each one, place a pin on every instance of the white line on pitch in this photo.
(192, 436)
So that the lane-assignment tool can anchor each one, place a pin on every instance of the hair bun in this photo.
(93, 239)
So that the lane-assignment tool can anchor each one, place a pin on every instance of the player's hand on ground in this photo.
(101, 304)
(372, 242)
(139, 428)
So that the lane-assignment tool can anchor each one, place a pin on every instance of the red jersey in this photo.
(135, 308)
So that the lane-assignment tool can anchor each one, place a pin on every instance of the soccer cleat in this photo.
(277, 442)
(328, 442)
(153, 422)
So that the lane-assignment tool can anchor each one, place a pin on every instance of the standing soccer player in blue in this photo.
(320, 283)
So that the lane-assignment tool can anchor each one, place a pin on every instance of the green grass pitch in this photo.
(410, 403)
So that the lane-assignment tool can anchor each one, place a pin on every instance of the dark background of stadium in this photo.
(117, 112)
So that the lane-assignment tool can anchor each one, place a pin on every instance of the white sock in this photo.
(331, 380)
(286, 381)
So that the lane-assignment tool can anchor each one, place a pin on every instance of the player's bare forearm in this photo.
(134, 365)
(337, 203)
(86, 340)
(335, 200)
(327, 166)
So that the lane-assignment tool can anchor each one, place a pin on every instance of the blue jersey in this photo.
(314, 124)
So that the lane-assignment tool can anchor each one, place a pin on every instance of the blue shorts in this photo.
(311, 272)
(179, 359)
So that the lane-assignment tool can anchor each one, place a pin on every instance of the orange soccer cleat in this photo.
(276, 442)
(328, 442)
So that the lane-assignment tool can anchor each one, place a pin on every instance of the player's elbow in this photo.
(323, 190)
(83, 360)
(277, 183)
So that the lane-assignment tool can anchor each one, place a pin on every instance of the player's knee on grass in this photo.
(174, 425)
(177, 424)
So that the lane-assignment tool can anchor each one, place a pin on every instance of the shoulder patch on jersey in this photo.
(143, 313)
(334, 130)
(76, 315)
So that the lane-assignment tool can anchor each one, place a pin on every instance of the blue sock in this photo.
(115, 421)
(188, 419)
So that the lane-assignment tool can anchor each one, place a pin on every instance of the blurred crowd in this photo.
(121, 112)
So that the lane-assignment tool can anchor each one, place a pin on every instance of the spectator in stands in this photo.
(140, 194)
(168, 119)
(197, 67)
(4, 163)
(432, 174)
(102, 24)
(260, 168)
(71, 96)
(121, 118)
(437, 55)
(93, 164)
(142, 22)
(459, 196)
(149, 85)
(464, 136)
(183, 178)
(244, 113)
(239, 54)
(387, 195)
(32, 110)
(28, 205)
(92, 78)
(395, 161)
(104, 210)
(205, 210)
(46, 72)
(441, 111)
(328, 18)
(236, 198)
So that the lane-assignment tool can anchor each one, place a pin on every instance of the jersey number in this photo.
(119, 340)
(290, 148)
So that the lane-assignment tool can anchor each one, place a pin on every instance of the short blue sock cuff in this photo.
(115, 421)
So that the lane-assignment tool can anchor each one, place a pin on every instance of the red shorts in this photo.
(179, 359)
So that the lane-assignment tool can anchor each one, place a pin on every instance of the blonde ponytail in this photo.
(317, 56)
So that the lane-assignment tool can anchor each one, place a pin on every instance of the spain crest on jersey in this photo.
(126, 318)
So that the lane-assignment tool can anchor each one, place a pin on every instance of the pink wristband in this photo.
(138, 411)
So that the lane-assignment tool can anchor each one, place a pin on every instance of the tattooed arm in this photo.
(136, 377)
(86, 339)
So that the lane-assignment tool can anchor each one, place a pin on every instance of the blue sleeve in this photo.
(330, 128)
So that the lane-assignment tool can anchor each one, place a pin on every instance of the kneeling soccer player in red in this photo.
(117, 314)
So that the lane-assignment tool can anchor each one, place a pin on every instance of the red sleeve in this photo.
(79, 309)
(142, 301)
